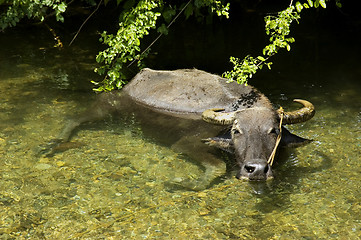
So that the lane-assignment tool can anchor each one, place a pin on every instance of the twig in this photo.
(85, 22)
(56, 37)
(161, 34)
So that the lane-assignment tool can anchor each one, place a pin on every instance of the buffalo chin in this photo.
(246, 178)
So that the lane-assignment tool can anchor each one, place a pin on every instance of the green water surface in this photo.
(112, 184)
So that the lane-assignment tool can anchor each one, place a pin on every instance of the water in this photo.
(113, 183)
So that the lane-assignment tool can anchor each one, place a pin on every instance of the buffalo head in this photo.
(254, 133)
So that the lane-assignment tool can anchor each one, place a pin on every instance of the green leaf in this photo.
(310, 3)
(316, 3)
(189, 11)
(137, 42)
(168, 14)
(261, 58)
(269, 65)
(299, 7)
(62, 7)
(323, 3)
(163, 29)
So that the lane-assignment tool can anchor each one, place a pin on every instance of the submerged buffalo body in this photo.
(190, 107)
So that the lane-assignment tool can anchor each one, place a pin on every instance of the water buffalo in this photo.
(189, 108)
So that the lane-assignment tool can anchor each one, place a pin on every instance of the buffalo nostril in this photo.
(249, 169)
(256, 169)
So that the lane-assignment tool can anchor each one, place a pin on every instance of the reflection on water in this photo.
(113, 183)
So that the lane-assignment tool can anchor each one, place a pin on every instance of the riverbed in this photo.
(112, 182)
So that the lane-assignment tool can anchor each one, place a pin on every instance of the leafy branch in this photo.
(19, 9)
(139, 17)
(278, 28)
(124, 47)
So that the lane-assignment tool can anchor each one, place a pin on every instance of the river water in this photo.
(112, 181)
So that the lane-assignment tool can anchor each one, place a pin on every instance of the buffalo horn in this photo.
(215, 116)
(302, 115)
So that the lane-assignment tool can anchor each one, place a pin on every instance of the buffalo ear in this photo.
(290, 140)
(226, 144)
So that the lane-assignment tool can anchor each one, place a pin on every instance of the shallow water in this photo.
(113, 183)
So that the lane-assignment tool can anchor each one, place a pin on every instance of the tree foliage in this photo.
(138, 18)
(278, 30)
(124, 46)
(37, 9)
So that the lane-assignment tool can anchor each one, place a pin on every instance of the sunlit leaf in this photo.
(310, 3)
(299, 7)
(261, 58)
(62, 7)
